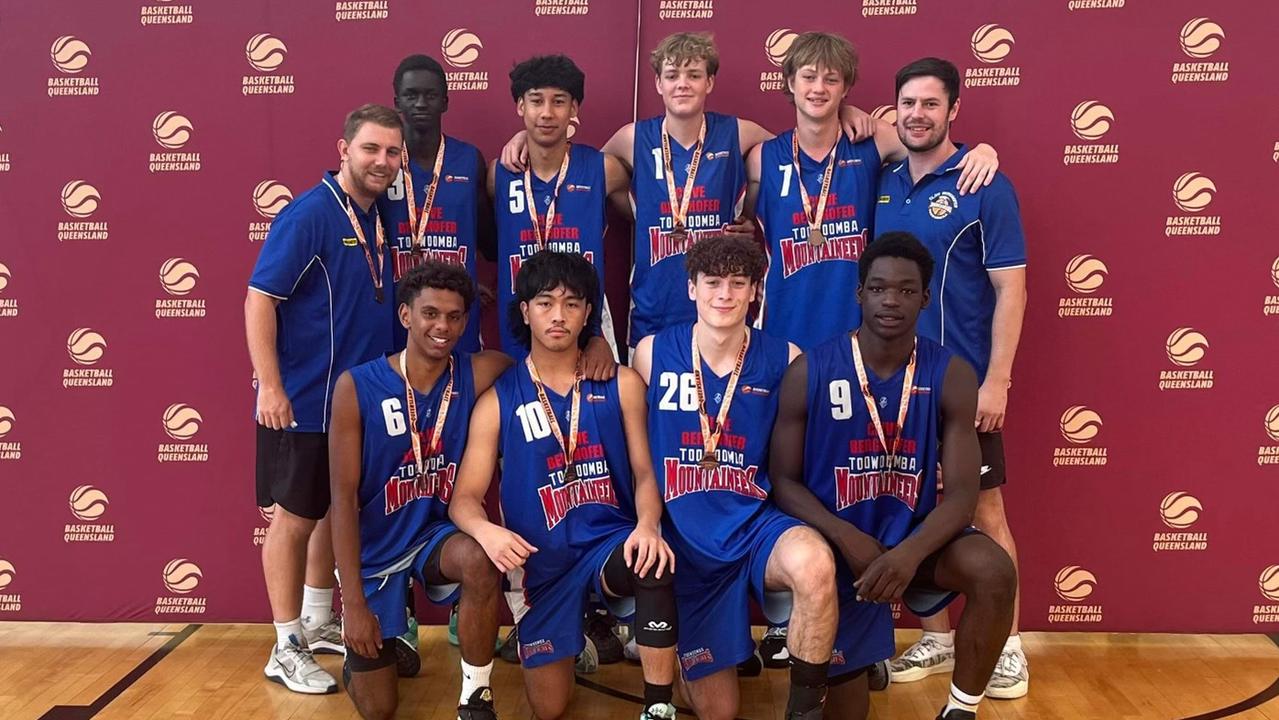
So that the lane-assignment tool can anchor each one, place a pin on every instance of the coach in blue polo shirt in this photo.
(319, 302)
(978, 299)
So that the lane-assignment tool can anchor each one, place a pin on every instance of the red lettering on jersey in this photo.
(798, 255)
(852, 488)
(517, 261)
(406, 260)
(683, 479)
(437, 483)
(557, 502)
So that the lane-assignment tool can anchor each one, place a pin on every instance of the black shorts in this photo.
(293, 471)
(993, 473)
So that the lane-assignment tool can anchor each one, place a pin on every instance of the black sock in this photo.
(654, 694)
(807, 685)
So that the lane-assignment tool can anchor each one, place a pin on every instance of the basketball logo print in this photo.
(267, 513)
(80, 199)
(6, 421)
(181, 576)
(778, 43)
(86, 346)
(181, 421)
(992, 43)
(70, 54)
(1090, 120)
(1085, 273)
(1180, 510)
(1272, 423)
(887, 113)
(270, 197)
(7, 573)
(1079, 424)
(1201, 37)
(461, 48)
(1074, 583)
(1274, 273)
(1186, 346)
(5, 275)
(1193, 192)
(178, 276)
(573, 124)
(265, 52)
(171, 130)
(1268, 582)
(88, 502)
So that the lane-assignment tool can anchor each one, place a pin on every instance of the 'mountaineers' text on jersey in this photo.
(808, 292)
(709, 512)
(659, 296)
(562, 519)
(397, 504)
(845, 465)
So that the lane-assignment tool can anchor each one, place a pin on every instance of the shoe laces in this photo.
(775, 632)
(1010, 664)
(923, 648)
(302, 657)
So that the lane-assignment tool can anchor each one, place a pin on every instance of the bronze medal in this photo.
(679, 234)
(570, 475)
(708, 462)
(816, 238)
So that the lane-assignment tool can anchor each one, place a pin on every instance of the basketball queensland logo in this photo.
(269, 198)
(991, 44)
(461, 50)
(1192, 193)
(1079, 426)
(88, 505)
(776, 45)
(1201, 39)
(357, 10)
(266, 53)
(880, 8)
(8, 305)
(86, 347)
(1085, 275)
(182, 423)
(1090, 121)
(80, 200)
(182, 579)
(1269, 306)
(686, 9)
(6, 164)
(10, 601)
(561, 7)
(172, 131)
(10, 447)
(166, 12)
(1094, 4)
(71, 56)
(1269, 454)
(259, 533)
(1186, 347)
(1074, 585)
(1180, 511)
(1268, 585)
(887, 113)
(178, 278)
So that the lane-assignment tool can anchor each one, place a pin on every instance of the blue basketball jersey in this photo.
(579, 227)
(396, 504)
(450, 231)
(562, 520)
(659, 295)
(808, 291)
(843, 457)
(709, 513)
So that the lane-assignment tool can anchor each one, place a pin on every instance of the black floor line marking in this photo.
(85, 712)
(1260, 698)
(613, 692)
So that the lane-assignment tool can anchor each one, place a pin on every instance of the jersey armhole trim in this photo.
(260, 291)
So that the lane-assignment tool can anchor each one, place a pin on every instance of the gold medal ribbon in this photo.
(569, 448)
(679, 206)
(545, 237)
(908, 386)
(417, 228)
(376, 272)
(437, 436)
(814, 219)
(710, 440)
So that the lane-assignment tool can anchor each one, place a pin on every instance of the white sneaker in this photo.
(926, 657)
(631, 649)
(1011, 679)
(588, 661)
(327, 638)
(296, 669)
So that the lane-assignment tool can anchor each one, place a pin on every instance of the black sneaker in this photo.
(599, 628)
(878, 676)
(751, 666)
(773, 648)
(510, 650)
(814, 714)
(479, 707)
(407, 662)
(957, 714)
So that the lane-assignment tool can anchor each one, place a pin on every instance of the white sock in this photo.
(474, 677)
(946, 638)
(317, 606)
(289, 633)
(1013, 644)
(960, 700)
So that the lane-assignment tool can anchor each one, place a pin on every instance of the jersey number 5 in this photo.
(515, 192)
(685, 385)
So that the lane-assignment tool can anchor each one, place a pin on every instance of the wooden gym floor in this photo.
(58, 671)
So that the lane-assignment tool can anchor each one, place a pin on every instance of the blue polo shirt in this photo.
(327, 320)
(968, 237)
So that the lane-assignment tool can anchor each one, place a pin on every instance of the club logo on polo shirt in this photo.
(8, 305)
(10, 448)
(1090, 121)
(461, 50)
(88, 504)
(178, 278)
(1186, 347)
(1270, 306)
(776, 45)
(1180, 511)
(361, 10)
(80, 200)
(1080, 425)
(1192, 193)
(266, 53)
(686, 10)
(259, 532)
(1074, 584)
(887, 113)
(172, 131)
(10, 602)
(1268, 584)
(1073, 5)
(1269, 454)
(1085, 274)
(942, 204)
(70, 56)
(181, 578)
(1201, 39)
(269, 198)
(182, 422)
(163, 13)
(561, 7)
(991, 44)
(86, 347)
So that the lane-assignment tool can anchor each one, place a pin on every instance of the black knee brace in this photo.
(656, 620)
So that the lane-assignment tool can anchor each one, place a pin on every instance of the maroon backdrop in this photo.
(144, 147)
